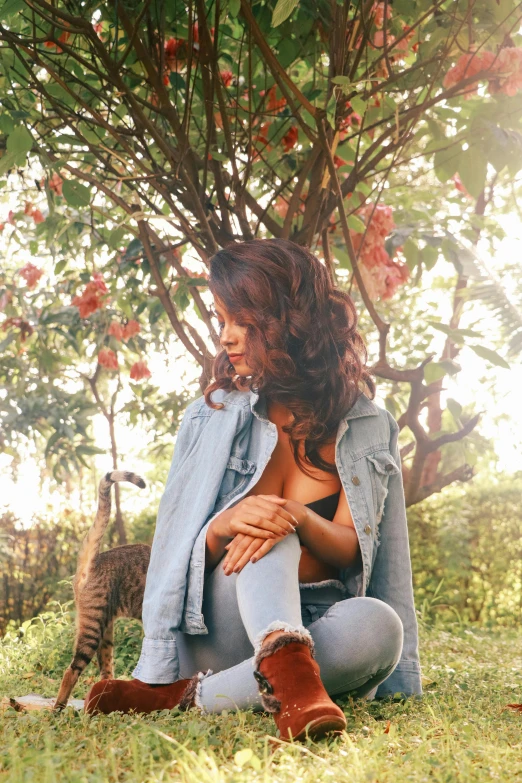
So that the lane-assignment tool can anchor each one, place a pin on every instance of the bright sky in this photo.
(502, 419)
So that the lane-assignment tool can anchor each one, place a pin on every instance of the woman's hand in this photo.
(243, 549)
(260, 516)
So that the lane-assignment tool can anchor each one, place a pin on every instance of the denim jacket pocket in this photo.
(381, 466)
(237, 474)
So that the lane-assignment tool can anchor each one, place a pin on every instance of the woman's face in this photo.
(232, 336)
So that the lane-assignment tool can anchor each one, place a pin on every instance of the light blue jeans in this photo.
(358, 641)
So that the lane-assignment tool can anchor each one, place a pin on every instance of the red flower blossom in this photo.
(97, 280)
(130, 329)
(108, 359)
(227, 77)
(139, 370)
(64, 37)
(116, 330)
(33, 212)
(31, 274)
(26, 329)
(91, 300)
(289, 140)
(55, 183)
(37, 216)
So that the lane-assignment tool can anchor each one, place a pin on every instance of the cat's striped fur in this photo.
(107, 585)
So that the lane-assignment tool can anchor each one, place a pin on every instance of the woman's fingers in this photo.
(236, 553)
(265, 547)
(274, 503)
(263, 519)
(247, 554)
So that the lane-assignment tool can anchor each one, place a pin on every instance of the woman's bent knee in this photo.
(385, 627)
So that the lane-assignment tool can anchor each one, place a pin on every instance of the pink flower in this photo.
(139, 370)
(468, 66)
(378, 10)
(31, 274)
(381, 274)
(508, 70)
(130, 329)
(108, 359)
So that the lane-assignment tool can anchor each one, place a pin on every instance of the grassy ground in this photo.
(459, 731)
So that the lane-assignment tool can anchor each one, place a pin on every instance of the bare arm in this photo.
(335, 543)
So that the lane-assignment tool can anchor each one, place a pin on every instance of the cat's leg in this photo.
(88, 638)
(106, 653)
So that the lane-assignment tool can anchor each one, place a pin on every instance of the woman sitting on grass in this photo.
(280, 573)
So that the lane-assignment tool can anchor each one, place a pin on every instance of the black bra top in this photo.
(325, 507)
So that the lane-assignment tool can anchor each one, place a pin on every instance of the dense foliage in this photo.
(138, 138)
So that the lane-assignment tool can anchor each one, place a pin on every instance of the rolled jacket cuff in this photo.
(158, 663)
(404, 679)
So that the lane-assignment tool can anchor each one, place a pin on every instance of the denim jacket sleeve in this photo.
(158, 662)
(391, 580)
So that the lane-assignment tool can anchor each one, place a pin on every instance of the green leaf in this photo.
(6, 124)
(219, 155)
(356, 224)
(446, 162)
(472, 170)
(342, 256)
(116, 237)
(411, 254)
(429, 256)
(433, 371)
(76, 194)
(60, 266)
(234, 7)
(490, 356)
(455, 408)
(450, 366)
(282, 11)
(19, 141)
(7, 161)
(341, 80)
(358, 105)
(12, 7)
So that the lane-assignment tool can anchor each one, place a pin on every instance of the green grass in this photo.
(459, 731)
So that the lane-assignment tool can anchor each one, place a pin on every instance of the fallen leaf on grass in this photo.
(514, 707)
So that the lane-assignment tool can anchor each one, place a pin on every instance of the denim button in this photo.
(367, 529)
(388, 468)
(356, 480)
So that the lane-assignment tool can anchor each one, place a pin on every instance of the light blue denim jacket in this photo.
(218, 455)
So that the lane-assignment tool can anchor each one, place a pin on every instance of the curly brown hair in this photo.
(302, 343)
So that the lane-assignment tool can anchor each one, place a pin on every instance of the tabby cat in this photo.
(107, 585)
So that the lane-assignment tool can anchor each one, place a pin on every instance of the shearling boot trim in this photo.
(281, 641)
(192, 693)
(268, 700)
(280, 626)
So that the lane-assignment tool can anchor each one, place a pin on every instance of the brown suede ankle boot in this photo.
(125, 695)
(291, 689)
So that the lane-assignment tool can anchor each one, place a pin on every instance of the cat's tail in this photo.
(91, 543)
